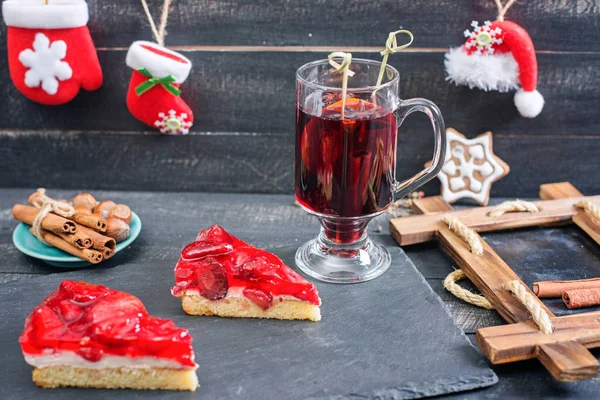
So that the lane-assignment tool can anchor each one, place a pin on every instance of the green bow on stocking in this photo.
(166, 82)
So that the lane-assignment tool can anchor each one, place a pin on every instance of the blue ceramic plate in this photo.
(28, 244)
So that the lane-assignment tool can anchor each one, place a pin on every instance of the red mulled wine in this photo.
(344, 167)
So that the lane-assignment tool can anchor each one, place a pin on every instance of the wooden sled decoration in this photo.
(564, 352)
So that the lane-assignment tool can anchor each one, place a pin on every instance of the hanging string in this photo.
(160, 33)
(503, 9)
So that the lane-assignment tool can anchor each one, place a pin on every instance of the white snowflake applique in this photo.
(470, 167)
(172, 123)
(482, 39)
(45, 65)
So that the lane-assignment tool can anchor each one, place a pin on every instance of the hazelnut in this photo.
(122, 212)
(84, 200)
(104, 207)
(117, 229)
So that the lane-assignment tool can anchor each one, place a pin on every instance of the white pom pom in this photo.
(529, 104)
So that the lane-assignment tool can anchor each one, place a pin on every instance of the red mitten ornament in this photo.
(154, 95)
(498, 56)
(50, 51)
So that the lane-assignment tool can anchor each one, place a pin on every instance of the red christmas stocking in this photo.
(50, 51)
(153, 95)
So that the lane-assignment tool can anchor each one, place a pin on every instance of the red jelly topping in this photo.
(93, 321)
(217, 261)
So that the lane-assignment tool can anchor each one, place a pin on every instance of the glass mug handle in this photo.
(406, 108)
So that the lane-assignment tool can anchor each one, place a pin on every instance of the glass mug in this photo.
(345, 171)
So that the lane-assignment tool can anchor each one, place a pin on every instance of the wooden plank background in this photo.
(242, 90)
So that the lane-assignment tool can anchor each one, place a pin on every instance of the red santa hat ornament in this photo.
(51, 54)
(154, 95)
(499, 56)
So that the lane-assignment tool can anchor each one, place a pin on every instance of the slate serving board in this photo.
(389, 338)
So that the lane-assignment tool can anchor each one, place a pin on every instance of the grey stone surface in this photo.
(389, 338)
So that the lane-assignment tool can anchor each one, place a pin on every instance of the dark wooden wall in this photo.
(242, 85)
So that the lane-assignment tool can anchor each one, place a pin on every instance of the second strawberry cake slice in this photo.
(85, 335)
(218, 274)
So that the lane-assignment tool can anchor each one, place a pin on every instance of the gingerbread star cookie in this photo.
(470, 168)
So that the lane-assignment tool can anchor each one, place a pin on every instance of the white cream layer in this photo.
(70, 358)
(238, 292)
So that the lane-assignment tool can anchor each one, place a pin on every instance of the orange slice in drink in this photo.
(353, 104)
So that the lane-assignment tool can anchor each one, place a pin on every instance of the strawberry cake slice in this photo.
(219, 274)
(85, 335)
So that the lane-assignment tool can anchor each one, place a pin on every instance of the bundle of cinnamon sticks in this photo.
(91, 233)
(575, 294)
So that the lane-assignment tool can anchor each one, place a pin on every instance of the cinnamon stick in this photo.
(52, 222)
(102, 243)
(93, 221)
(77, 239)
(579, 298)
(92, 256)
(557, 288)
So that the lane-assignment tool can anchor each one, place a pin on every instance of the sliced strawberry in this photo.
(262, 299)
(184, 270)
(117, 331)
(212, 279)
(115, 304)
(82, 292)
(69, 311)
(259, 268)
(90, 353)
(215, 234)
(47, 325)
(203, 248)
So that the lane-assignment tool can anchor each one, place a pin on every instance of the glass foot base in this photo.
(354, 263)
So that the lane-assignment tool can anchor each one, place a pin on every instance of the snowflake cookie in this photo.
(470, 168)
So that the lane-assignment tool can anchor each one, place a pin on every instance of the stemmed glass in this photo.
(345, 171)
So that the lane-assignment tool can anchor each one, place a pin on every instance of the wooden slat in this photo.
(590, 226)
(430, 205)
(313, 22)
(560, 190)
(582, 219)
(568, 362)
(255, 92)
(508, 343)
(422, 228)
(489, 273)
(244, 162)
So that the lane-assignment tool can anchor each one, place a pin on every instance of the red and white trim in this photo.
(36, 14)
(485, 71)
(158, 60)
